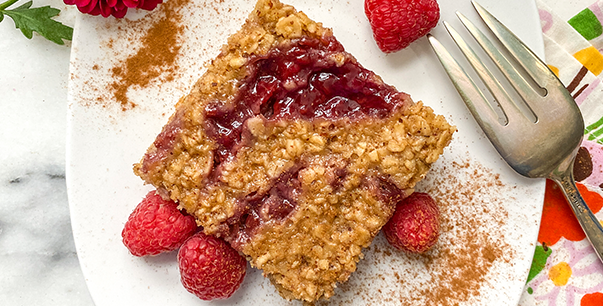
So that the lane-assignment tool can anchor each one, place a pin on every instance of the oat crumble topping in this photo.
(299, 190)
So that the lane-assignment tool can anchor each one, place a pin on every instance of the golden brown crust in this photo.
(270, 24)
(319, 243)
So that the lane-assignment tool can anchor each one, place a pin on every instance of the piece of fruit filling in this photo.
(301, 80)
(308, 79)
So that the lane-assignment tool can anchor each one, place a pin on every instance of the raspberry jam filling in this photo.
(301, 80)
(280, 201)
(258, 209)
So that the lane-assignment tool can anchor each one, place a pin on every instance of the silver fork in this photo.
(542, 144)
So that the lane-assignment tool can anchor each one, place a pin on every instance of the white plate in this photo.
(490, 215)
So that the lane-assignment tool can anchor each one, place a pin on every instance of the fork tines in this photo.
(531, 91)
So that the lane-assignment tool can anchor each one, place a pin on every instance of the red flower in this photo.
(117, 8)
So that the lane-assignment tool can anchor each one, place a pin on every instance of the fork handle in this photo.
(589, 223)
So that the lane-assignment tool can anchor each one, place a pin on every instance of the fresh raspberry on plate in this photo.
(156, 226)
(397, 23)
(415, 225)
(210, 268)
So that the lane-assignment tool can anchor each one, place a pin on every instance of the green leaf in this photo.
(39, 20)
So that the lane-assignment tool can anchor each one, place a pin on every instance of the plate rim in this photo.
(537, 46)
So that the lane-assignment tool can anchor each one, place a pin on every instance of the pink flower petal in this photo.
(131, 3)
(149, 5)
(89, 8)
(105, 9)
(115, 8)
(120, 13)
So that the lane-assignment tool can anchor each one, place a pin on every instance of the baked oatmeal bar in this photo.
(293, 152)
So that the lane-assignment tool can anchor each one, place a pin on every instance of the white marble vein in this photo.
(37, 255)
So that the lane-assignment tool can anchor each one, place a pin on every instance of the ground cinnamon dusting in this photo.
(455, 271)
(149, 59)
(155, 58)
(470, 254)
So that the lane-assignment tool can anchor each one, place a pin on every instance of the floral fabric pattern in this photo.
(565, 269)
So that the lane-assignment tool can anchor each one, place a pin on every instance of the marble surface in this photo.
(38, 261)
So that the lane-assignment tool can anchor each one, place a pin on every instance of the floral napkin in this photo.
(565, 269)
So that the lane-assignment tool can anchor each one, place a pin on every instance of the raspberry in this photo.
(415, 225)
(397, 23)
(156, 226)
(210, 268)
